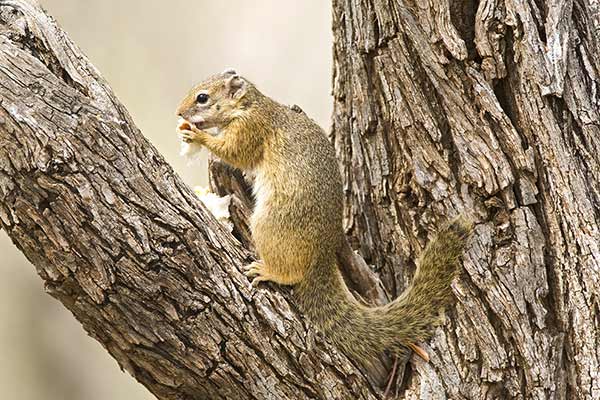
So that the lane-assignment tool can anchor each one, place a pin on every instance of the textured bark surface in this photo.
(126, 246)
(489, 108)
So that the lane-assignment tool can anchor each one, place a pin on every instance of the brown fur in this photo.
(297, 222)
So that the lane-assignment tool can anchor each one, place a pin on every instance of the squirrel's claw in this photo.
(253, 269)
(186, 136)
(257, 280)
(190, 136)
(256, 270)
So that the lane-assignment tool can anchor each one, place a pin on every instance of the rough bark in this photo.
(489, 108)
(126, 246)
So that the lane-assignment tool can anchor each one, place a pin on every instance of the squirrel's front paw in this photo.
(188, 136)
(189, 133)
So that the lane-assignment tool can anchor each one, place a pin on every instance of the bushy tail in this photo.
(363, 333)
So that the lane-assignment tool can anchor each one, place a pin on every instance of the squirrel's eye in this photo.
(202, 98)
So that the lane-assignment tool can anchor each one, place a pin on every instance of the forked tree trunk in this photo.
(490, 109)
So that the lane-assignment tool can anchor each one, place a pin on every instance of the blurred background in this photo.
(152, 52)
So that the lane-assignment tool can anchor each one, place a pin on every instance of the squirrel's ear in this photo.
(229, 71)
(236, 86)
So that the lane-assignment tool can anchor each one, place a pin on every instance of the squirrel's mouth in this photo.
(198, 121)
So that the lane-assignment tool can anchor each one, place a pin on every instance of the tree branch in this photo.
(126, 246)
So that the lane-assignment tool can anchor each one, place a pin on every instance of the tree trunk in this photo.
(488, 108)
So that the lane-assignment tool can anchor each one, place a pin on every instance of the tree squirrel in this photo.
(297, 221)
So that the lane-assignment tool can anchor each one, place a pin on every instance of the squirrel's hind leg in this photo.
(262, 273)
(257, 270)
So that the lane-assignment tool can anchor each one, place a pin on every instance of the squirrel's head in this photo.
(216, 101)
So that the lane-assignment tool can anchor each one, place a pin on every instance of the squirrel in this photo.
(297, 220)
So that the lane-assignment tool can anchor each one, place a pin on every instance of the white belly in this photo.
(262, 192)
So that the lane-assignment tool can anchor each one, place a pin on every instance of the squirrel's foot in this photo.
(257, 269)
